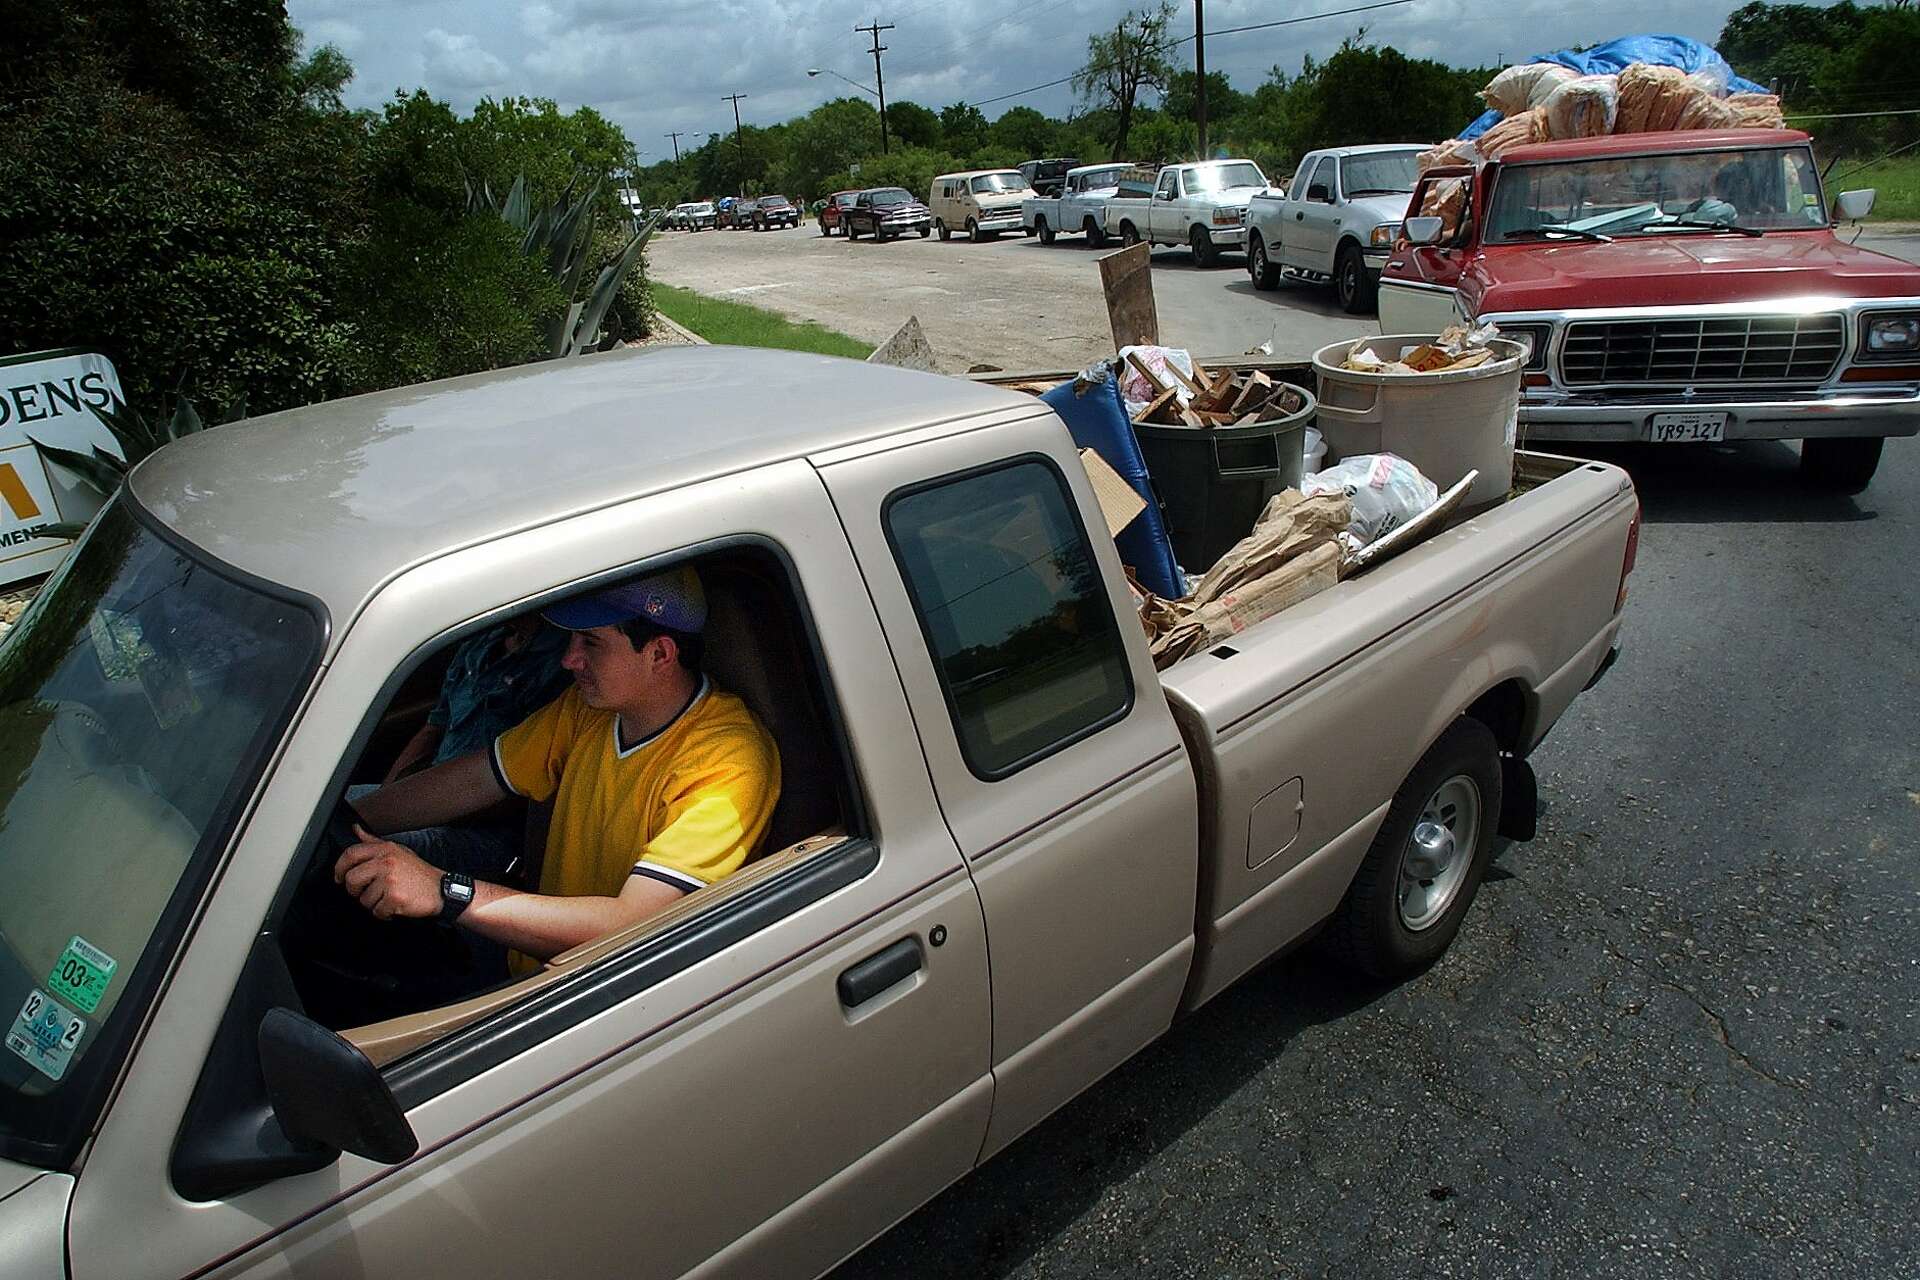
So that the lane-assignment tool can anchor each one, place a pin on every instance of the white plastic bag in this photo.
(1525, 85)
(1583, 108)
(1137, 390)
(1386, 489)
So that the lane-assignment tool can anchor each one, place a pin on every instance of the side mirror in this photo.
(1851, 206)
(1318, 191)
(326, 1093)
(1163, 195)
(1422, 230)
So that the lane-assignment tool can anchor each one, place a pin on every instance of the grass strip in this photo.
(737, 324)
(1897, 180)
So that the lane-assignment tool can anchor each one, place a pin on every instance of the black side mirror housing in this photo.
(1318, 191)
(327, 1094)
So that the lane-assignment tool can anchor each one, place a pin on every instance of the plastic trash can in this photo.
(1446, 424)
(1215, 481)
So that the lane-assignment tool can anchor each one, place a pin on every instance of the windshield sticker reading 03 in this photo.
(46, 1033)
(81, 975)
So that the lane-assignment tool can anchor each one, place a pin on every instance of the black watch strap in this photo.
(456, 895)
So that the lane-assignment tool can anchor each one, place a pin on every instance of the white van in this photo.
(981, 202)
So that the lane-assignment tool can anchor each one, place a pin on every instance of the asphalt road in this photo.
(1679, 1034)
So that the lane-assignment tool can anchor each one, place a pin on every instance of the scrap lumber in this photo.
(1127, 277)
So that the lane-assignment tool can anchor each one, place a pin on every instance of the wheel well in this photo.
(1346, 242)
(1040, 220)
(1503, 709)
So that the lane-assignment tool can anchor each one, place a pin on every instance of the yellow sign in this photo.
(13, 492)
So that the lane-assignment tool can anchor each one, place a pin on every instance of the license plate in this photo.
(1687, 428)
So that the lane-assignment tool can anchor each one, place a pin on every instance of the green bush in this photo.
(631, 315)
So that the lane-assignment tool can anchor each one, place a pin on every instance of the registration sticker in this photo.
(81, 975)
(46, 1033)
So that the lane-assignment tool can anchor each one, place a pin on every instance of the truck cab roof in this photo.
(1641, 144)
(335, 499)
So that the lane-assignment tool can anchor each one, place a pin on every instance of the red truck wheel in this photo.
(1840, 464)
(1424, 867)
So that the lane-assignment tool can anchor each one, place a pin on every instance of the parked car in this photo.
(886, 212)
(1676, 287)
(981, 202)
(727, 212)
(1337, 220)
(700, 216)
(988, 881)
(774, 211)
(1202, 206)
(833, 210)
(676, 217)
(1047, 177)
(1081, 205)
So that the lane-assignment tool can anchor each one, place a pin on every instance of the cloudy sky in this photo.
(654, 66)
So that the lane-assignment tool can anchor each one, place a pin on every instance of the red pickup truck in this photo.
(1675, 287)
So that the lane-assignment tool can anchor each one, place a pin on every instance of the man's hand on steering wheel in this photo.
(388, 879)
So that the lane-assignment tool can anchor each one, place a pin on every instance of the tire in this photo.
(850, 232)
(1045, 231)
(1394, 922)
(1200, 240)
(974, 233)
(1095, 236)
(1262, 271)
(1353, 288)
(1129, 235)
(1840, 464)
(925, 232)
(941, 227)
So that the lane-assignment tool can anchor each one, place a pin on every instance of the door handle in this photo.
(879, 971)
(1300, 217)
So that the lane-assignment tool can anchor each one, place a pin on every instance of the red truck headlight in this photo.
(1889, 337)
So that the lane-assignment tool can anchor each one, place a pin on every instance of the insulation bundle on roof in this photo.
(1758, 110)
(1649, 94)
(1523, 87)
(1453, 151)
(1703, 112)
(1582, 108)
(1514, 131)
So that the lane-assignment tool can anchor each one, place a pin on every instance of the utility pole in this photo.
(676, 146)
(1200, 72)
(740, 143)
(880, 82)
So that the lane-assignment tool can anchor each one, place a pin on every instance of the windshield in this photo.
(1382, 173)
(1099, 178)
(774, 202)
(988, 183)
(138, 697)
(892, 195)
(1769, 189)
(1225, 177)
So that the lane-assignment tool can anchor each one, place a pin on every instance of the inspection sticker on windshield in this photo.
(46, 1033)
(82, 974)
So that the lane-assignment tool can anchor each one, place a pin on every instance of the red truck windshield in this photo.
(1770, 189)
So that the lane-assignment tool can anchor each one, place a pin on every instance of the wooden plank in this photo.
(1127, 278)
(1154, 380)
(1159, 403)
(1259, 387)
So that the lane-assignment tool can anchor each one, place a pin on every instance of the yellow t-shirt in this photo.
(686, 806)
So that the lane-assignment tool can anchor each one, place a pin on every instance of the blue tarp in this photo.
(1616, 56)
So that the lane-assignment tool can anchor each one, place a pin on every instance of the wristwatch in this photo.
(456, 894)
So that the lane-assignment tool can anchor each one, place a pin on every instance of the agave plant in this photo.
(103, 472)
(562, 233)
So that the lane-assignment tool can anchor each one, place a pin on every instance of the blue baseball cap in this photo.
(674, 599)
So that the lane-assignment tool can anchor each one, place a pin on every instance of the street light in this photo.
(829, 71)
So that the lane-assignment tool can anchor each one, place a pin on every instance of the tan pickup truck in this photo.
(1007, 855)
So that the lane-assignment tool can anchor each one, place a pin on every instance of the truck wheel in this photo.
(1129, 236)
(925, 231)
(1201, 242)
(1840, 464)
(1420, 875)
(973, 231)
(1352, 286)
(1265, 275)
(1095, 236)
(941, 227)
(1045, 231)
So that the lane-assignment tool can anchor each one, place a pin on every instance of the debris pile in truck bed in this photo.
(1202, 399)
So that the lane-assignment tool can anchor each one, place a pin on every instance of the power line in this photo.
(879, 81)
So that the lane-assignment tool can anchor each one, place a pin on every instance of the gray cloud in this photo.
(653, 66)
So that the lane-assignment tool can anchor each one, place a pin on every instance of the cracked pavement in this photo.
(1679, 1034)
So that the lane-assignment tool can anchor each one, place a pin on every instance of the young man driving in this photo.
(661, 784)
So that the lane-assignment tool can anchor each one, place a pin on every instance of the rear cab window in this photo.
(1014, 612)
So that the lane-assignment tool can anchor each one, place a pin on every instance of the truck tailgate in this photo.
(1302, 727)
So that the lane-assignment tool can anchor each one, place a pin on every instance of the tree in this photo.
(963, 128)
(826, 141)
(1024, 130)
(1120, 63)
(913, 124)
(1181, 102)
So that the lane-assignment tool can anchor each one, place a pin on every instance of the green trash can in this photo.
(1213, 482)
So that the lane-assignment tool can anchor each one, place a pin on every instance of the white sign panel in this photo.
(47, 396)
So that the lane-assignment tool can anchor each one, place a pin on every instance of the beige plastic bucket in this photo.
(1446, 424)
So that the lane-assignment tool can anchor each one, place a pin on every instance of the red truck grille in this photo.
(1778, 349)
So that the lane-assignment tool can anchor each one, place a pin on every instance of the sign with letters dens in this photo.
(47, 396)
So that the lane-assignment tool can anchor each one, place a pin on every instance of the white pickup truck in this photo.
(1080, 206)
(1007, 853)
(1336, 221)
(1202, 206)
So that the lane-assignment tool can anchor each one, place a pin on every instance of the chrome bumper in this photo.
(1229, 235)
(1864, 411)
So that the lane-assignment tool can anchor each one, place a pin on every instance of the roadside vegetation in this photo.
(1897, 180)
(738, 324)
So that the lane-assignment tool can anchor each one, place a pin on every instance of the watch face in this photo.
(457, 890)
